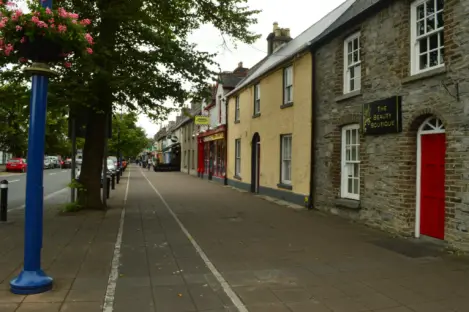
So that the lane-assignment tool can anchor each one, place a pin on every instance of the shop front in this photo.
(212, 155)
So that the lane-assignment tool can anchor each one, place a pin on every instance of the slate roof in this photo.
(357, 8)
(297, 45)
(230, 80)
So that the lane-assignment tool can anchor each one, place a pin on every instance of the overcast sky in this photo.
(298, 15)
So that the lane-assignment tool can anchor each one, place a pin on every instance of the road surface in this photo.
(54, 180)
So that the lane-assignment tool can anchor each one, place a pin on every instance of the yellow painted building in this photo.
(269, 131)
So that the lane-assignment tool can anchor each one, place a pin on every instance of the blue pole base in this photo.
(30, 283)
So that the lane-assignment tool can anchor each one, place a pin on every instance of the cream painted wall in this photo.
(272, 123)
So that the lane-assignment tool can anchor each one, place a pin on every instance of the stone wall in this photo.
(388, 162)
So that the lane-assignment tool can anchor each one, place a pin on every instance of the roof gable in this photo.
(295, 46)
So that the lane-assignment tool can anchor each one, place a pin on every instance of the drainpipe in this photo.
(226, 140)
(312, 177)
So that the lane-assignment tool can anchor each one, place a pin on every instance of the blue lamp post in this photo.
(33, 280)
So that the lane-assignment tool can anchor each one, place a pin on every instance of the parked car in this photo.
(67, 163)
(112, 166)
(79, 160)
(47, 163)
(116, 164)
(16, 164)
(55, 161)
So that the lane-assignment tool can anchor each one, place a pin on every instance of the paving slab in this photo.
(75, 247)
(276, 258)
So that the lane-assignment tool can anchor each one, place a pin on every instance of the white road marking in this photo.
(13, 181)
(51, 195)
(108, 305)
(224, 284)
(64, 171)
(53, 173)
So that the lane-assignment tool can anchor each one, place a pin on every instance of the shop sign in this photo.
(202, 120)
(383, 116)
(213, 137)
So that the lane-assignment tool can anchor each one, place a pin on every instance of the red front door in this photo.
(432, 185)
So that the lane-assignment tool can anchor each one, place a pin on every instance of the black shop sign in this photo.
(383, 116)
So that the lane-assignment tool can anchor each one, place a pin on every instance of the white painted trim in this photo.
(108, 305)
(414, 59)
(224, 284)
(421, 132)
(282, 170)
(343, 178)
(346, 88)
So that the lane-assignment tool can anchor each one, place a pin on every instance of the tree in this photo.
(14, 115)
(127, 137)
(141, 59)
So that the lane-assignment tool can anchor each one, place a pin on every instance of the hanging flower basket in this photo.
(40, 49)
(42, 35)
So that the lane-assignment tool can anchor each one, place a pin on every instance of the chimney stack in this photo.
(240, 65)
(277, 37)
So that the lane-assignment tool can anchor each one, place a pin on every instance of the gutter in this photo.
(312, 175)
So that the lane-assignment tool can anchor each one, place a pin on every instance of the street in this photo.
(175, 243)
(54, 180)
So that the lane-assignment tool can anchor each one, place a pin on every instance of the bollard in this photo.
(3, 200)
(118, 176)
(113, 181)
(108, 186)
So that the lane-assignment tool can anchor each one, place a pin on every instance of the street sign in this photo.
(202, 120)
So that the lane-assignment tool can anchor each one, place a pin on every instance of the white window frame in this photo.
(288, 84)
(237, 111)
(257, 99)
(351, 64)
(415, 39)
(238, 157)
(347, 163)
(285, 157)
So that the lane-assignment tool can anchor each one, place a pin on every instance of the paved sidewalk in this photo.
(77, 251)
(273, 258)
(279, 259)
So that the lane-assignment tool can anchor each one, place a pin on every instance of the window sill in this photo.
(424, 75)
(286, 105)
(236, 121)
(347, 203)
(285, 186)
(256, 115)
(237, 177)
(349, 95)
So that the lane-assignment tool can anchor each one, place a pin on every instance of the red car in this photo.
(17, 164)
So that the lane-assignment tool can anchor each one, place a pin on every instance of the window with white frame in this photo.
(288, 85)
(237, 109)
(427, 35)
(257, 99)
(285, 150)
(350, 186)
(238, 157)
(352, 64)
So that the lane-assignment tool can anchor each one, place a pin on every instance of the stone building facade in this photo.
(414, 181)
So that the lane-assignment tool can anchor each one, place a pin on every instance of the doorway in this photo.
(255, 162)
(430, 195)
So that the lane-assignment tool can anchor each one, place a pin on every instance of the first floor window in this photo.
(285, 150)
(352, 64)
(257, 99)
(288, 85)
(185, 158)
(350, 186)
(238, 157)
(236, 109)
(427, 27)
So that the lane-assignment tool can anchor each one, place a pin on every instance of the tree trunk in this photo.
(91, 168)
